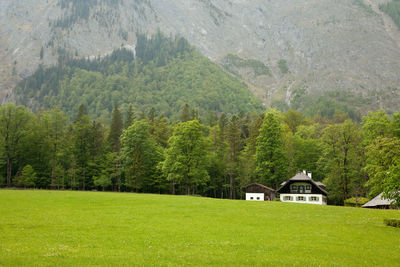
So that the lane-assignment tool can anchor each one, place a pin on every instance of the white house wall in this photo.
(321, 198)
(255, 196)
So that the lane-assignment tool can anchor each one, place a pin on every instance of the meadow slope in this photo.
(48, 228)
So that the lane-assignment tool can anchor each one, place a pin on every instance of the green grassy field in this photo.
(44, 228)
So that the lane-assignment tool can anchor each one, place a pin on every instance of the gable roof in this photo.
(260, 185)
(379, 200)
(302, 177)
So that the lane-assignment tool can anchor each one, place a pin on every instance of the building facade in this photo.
(303, 189)
(259, 192)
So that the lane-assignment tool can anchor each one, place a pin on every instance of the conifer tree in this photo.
(233, 137)
(115, 131)
(185, 116)
(55, 123)
(270, 156)
(81, 137)
(81, 113)
(130, 117)
(14, 125)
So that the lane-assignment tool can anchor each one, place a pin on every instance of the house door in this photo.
(301, 189)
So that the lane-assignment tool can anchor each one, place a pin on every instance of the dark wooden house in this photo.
(259, 192)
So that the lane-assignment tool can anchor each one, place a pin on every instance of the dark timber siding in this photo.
(269, 194)
(314, 189)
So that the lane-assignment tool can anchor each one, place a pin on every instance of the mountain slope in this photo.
(327, 45)
(166, 74)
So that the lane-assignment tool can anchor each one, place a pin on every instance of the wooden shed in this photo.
(379, 202)
(259, 192)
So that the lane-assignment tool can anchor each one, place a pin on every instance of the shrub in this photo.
(26, 178)
(277, 199)
(282, 65)
(355, 201)
(392, 222)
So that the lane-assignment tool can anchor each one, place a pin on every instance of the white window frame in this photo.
(288, 198)
(301, 198)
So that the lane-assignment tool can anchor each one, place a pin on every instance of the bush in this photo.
(355, 201)
(392, 222)
(277, 199)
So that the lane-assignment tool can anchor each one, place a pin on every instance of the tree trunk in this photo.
(84, 178)
(188, 189)
(231, 186)
(345, 182)
(234, 189)
(173, 187)
(53, 170)
(119, 183)
(8, 171)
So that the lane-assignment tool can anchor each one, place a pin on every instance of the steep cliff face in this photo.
(309, 47)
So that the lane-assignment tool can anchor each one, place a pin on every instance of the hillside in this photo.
(105, 229)
(311, 48)
(166, 74)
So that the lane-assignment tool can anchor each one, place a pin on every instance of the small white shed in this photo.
(255, 196)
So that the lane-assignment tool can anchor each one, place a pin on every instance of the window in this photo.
(308, 187)
(258, 198)
(251, 198)
(314, 199)
(287, 198)
(294, 187)
(300, 198)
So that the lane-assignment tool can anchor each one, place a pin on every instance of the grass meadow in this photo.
(50, 228)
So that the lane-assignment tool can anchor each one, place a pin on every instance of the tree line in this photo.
(212, 157)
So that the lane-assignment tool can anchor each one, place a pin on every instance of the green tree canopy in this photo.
(140, 154)
(270, 155)
(186, 159)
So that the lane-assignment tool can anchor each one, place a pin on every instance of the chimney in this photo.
(310, 175)
(304, 171)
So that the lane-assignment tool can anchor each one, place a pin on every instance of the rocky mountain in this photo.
(287, 51)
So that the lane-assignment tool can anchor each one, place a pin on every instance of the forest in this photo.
(162, 73)
(213, 156)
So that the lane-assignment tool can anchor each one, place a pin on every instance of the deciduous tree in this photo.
(186, 159)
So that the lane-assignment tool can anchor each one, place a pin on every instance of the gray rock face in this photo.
(327, 44)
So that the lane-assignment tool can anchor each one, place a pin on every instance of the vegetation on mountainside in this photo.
(282, 65)
(76, 10)
(165, 75)
(232, 62)
(362, 4)
(392, 8)
(327, 104)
